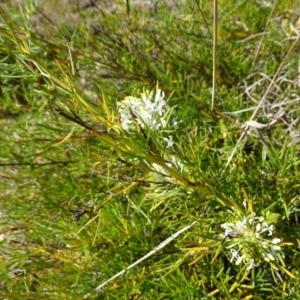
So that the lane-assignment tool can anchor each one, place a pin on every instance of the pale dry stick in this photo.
(263, 106)
(203, 18)
(262, 38)
(248, 93)
(157, 248)
(269, 78)
(249, 89)
(251, 37)
(260, 103)
(215, 36)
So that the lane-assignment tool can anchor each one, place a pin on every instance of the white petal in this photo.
(276, 241)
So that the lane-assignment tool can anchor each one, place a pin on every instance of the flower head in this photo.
(150, 113)
(148, 110)
(250, 241)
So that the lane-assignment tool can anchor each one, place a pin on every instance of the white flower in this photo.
(249, 243)
(146, 111)
(252, 264)
(276, 241)
(258, 227)
(169, 141)
(239, 260)
(235, 255)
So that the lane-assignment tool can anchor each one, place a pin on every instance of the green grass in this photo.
(81, 201)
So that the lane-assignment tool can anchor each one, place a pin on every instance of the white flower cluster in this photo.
(149, 112)
(250, 243)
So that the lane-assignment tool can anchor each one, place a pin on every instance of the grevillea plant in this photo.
(142, 180)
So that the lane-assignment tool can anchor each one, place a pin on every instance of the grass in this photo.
(82, 198)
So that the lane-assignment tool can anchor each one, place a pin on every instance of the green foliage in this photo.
(83, 198)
